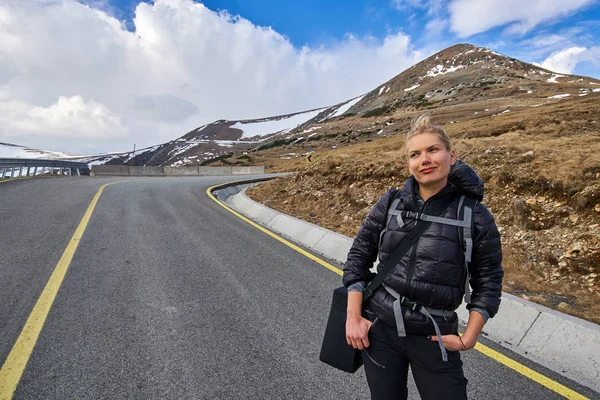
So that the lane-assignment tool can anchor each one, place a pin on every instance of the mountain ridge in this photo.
(457, 75)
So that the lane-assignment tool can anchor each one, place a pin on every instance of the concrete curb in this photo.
(567, 345)
(125, 170)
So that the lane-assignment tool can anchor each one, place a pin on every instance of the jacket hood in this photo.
(466, 180)
(463, 177)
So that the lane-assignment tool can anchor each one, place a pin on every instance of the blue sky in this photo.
(92, 76)
(322, 23)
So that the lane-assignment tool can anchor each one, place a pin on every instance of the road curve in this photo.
(170, 296)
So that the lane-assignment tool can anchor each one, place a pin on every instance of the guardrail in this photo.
(20, 167)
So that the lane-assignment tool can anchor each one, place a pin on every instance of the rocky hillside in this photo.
(540, 164)
(219, 139)
(531, 134)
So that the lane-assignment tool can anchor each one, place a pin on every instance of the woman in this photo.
(430, 276)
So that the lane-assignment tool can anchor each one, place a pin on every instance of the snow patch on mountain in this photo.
(16, 151)
(440, 69)
(182, 149)
(314, 128)
(346, 106)
(553, 78)
(281, 125)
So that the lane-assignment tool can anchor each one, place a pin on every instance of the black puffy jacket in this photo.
(431, 273)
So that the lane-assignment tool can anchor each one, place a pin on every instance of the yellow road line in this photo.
(499, 357)
(529, 373)
(16, 179)
(15, 363)
(268, 232)
(20, 178)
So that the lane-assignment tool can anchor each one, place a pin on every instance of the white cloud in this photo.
(566, 60)
(433, 7)
(404, 4)
(70, 117)
(468, 17)
(436, 26)
(563, 61)
(182, 66)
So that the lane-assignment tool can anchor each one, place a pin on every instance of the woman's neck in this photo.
(427, 191)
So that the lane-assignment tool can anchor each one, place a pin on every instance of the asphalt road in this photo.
(170, 296)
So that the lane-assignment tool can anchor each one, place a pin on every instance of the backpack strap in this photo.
(426, 311)
(392, 212)
(466, 206)
(439, 220)
(464, 223)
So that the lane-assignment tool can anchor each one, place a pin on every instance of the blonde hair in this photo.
(422, 124)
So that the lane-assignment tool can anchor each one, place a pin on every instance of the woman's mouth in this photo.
(427, 170)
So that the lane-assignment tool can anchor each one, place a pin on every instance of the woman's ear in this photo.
(452, 157)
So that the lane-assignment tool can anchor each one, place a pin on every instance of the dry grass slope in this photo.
(541, 166)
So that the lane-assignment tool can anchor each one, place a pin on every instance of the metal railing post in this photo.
(16, 167)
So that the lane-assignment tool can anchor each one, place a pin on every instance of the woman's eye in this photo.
(413, 155)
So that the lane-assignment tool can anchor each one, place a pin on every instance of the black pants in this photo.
(388, 357)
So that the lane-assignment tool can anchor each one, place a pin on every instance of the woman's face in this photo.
(428, 159)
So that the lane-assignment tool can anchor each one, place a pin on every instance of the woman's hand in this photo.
(357, 332)
(469, 339)
(454, 343)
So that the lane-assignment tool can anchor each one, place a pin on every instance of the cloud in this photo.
(565, 61)
(182, 66)
(436, 26)
(164, 107)
(433, 7)
(401, 5)
(68, 118)
(468, 17)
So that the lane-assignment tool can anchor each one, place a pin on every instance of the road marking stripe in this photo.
(20, 178)
(15, 363)
(499, 357)
(16, 179)
(268, 232)
(529, 373)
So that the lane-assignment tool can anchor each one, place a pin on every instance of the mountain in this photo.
(452, 83)
(223, 138)
(463, 73)
(448, 83)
